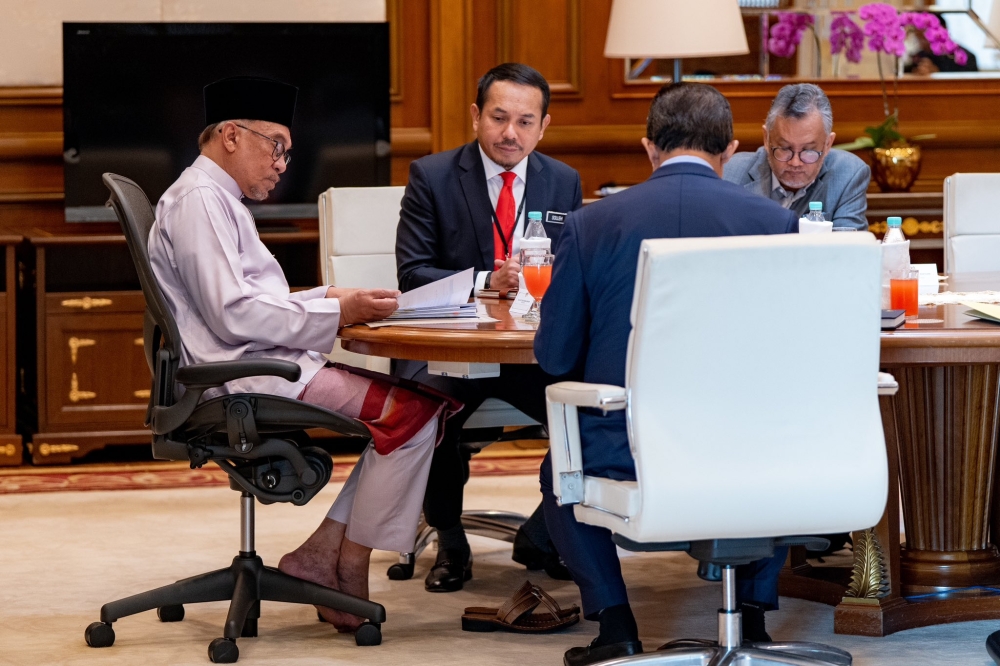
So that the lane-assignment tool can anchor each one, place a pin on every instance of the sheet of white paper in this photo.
(521, 304)
(441, 323)
(810, 227)
(452, 290)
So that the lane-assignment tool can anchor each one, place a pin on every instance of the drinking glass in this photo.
(903, 290)
(537, 272)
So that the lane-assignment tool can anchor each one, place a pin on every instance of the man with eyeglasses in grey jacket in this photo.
(797, 163)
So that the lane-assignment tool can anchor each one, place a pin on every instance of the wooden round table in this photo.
(508, 340)
(941, 435)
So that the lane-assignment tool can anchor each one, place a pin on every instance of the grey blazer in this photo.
(841, 185)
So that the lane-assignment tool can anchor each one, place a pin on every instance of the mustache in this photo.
(507, 143)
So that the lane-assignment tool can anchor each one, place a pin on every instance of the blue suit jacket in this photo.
(446, 223)
(585, 312)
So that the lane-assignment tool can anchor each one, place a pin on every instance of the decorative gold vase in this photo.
(896, 168)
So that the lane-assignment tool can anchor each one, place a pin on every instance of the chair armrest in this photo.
(219, 372)
(561, 401)
(887, 384)
(601, 396)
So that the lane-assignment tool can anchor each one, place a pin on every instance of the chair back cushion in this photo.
(136, 217)
(358, 236)
(752, 371)
(971, 223)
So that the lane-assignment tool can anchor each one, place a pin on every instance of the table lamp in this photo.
(675, 29)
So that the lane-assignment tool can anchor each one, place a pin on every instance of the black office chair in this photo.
(254, 438)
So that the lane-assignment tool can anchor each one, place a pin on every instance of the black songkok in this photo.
(250, 98)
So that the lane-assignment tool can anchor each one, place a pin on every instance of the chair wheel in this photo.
(367, 634)
(170, 613)
(99, 635)
(400, 571)
(223, 651)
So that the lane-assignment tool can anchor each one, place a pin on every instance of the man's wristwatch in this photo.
(486, 285)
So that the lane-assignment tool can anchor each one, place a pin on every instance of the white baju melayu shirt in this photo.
(227, 291)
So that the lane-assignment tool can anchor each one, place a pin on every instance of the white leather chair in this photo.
(357, 231)
(972, 222)
(752, 409)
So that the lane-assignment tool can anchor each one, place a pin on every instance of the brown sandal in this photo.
(516, 614)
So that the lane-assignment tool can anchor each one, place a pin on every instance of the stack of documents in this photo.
(443, 302)
(444, 299)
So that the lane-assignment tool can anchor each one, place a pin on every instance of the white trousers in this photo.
(382, 498)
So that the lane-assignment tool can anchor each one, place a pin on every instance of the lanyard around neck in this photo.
(496, 223)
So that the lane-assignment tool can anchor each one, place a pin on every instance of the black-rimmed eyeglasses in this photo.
(805, 156)
(279, 148)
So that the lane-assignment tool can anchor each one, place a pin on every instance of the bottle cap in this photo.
(816, 205)
(535, 215)
(895, 221)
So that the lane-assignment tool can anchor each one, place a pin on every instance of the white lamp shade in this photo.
(675, 29)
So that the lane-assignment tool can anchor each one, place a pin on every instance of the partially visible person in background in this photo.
(924, 62)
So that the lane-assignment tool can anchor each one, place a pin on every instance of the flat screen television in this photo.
(133, 105)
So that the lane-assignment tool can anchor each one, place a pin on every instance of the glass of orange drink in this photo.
(537, 272)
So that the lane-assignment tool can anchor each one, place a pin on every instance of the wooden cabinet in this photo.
(10, 442)
(92, 379)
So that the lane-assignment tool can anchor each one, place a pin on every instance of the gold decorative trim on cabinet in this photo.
(52, 449)
(141, 393)
(75, 343)
(8, 450)
(86, 302)
(138, 342)
(75, 394)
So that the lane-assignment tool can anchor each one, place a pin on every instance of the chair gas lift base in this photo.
(246, 582)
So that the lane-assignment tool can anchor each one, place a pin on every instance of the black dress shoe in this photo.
(582, 656)
(754, 630)
(451, 570)
(533, 558)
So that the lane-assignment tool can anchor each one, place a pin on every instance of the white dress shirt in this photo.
(225, 289)
(686, 159)
(494, 183)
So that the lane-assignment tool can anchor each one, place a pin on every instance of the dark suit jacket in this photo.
(585, 313)
(446, 224)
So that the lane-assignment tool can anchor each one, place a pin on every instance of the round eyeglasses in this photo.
(279, 152)
(805, 156)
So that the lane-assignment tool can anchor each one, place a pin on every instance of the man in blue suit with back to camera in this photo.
(585, 329)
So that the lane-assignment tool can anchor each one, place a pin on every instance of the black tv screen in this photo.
(133, 105)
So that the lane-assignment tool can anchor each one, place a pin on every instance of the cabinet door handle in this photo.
(138, 342)
(75, 394)
(75, 343)
(86, 302)
(141, 393)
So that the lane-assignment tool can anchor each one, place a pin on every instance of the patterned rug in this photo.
(179, 475)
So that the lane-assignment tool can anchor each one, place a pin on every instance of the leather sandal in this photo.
(517, 616)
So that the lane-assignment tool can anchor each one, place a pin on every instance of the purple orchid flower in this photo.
(786, 34)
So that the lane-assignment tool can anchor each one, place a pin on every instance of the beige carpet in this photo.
(64, 554)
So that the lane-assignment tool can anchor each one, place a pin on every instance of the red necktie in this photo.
(505, 215)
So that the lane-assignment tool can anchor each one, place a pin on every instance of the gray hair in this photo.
(797, 100)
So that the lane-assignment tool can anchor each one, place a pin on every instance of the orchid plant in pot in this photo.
(895, 159)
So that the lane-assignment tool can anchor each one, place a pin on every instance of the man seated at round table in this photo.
(798, 164)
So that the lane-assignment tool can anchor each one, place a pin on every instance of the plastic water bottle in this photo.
(816, 212)
(895, 232)
(535, 240)
(895, 256)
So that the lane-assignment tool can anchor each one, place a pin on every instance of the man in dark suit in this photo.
(467, 208)
(585, 329)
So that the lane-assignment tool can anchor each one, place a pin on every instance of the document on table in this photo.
(983, 311)
(447, 298)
